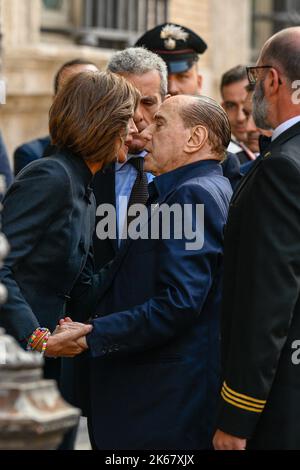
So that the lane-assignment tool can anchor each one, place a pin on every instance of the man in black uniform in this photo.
(259, 406)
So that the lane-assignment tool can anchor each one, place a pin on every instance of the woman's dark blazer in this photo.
(48, 218)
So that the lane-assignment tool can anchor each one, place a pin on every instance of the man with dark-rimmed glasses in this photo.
(253, 72)
(259, 407)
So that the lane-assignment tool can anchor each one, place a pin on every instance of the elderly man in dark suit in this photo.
(259, 406)
(154, 349)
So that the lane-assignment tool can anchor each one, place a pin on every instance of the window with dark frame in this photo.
(269, 17)
(105, 23)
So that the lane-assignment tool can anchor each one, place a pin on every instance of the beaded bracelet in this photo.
(42, 344)
(45, 342)
(39, 338)
(36, 337)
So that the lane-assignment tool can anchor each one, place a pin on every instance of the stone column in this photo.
(195, 14)
(0, 36)
(33, 415)
(3, 245)
(231, 34)
(21, 22)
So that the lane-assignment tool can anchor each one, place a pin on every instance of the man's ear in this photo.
(273, 82)
(198, 138)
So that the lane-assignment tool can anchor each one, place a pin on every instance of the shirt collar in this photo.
(234, 146)
(164, 184)
(285, 126)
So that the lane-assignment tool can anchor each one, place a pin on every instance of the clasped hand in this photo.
(68, 339)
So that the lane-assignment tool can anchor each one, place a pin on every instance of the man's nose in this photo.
(241, 117)
(132, 127)
(138, 116)
(147, 133)
(173, 87)
(251, 127)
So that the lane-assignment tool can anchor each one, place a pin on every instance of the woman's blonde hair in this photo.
(90, 113)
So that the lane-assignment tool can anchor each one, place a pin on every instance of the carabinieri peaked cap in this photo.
(177, 45)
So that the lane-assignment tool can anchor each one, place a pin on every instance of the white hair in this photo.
(138, 60)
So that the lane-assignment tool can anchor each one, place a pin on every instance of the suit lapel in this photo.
(114, 241)
(104, 186)
(245, 180)
(284, 137)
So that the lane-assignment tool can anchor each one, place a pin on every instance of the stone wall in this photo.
(30, 62)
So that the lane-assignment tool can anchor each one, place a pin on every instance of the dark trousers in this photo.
(91, 436)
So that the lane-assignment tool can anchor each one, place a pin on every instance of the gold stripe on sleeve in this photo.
(248, 408)
(242, 402)
(246, 397)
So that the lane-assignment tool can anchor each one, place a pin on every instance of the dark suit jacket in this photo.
(243, 157)
(231, 169)
(105, 193)
(247, 166)
(48, 218)
(261, 317)
(30, 152)
(154, 367)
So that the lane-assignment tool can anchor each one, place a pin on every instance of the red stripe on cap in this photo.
(182, 51)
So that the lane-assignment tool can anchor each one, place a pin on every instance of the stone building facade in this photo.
(37, 39)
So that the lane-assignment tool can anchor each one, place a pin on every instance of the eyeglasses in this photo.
(252, 72)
